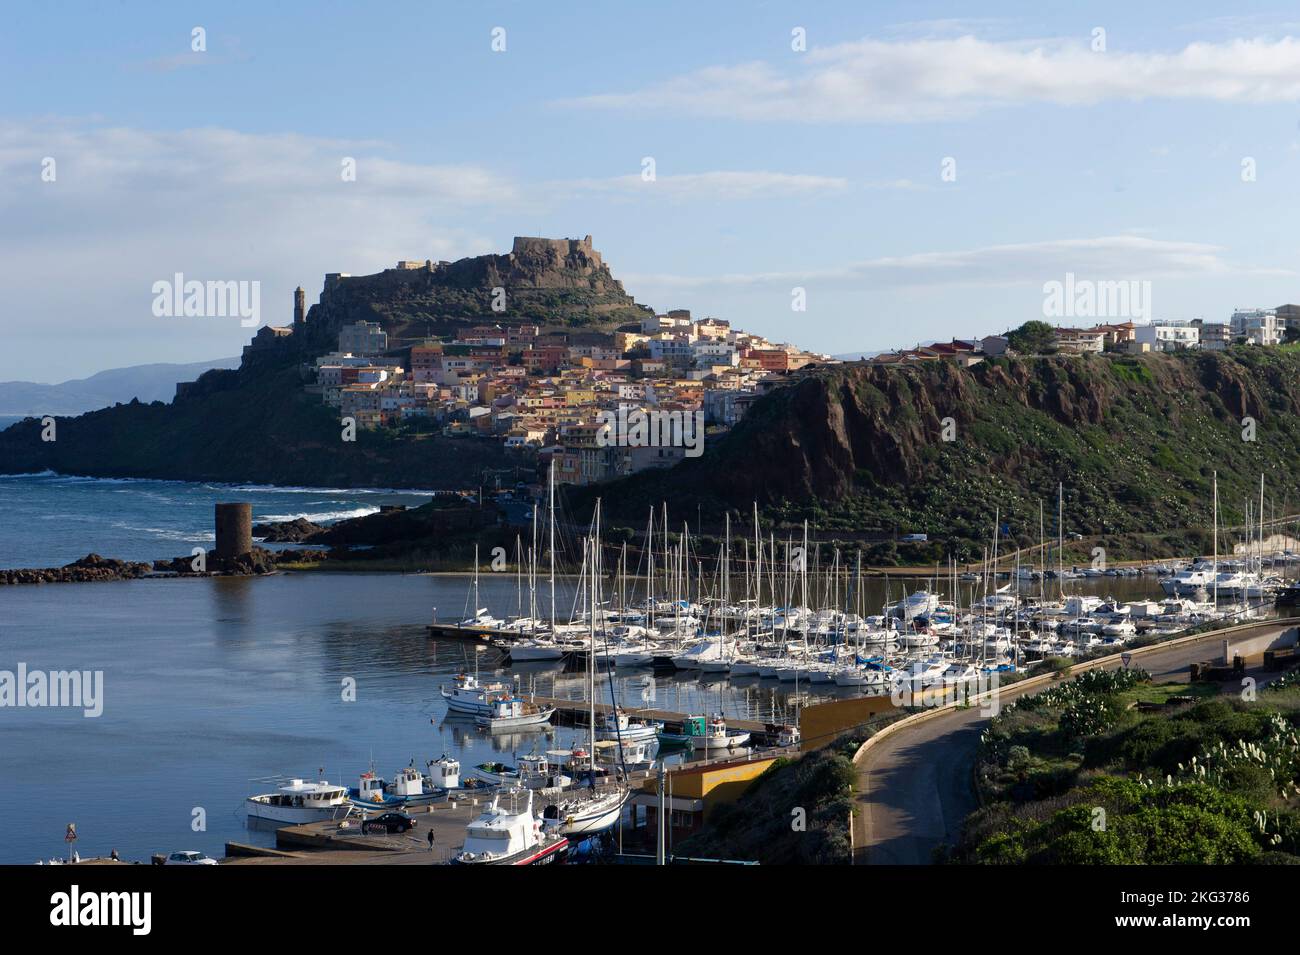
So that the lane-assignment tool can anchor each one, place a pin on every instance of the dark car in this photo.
(389, 822)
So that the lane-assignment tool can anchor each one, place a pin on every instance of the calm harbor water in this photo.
(212, 683)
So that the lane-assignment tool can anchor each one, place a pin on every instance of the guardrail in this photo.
(1047, 678)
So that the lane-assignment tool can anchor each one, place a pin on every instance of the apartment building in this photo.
(1168, 335)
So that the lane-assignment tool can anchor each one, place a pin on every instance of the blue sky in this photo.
(774, 168)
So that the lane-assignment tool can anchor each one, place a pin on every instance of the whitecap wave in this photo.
(318, 517)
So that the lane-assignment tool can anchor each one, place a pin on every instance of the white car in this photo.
(189, 857)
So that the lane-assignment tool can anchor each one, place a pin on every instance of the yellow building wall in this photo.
(820, 725)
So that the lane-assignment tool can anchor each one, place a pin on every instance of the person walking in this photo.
(431, 838)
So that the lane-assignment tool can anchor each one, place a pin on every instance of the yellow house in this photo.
(691, 793)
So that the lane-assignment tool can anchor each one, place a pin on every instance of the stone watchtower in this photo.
(299, 309)
(234, 529)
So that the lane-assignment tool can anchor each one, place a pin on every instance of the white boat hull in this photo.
(293, 815)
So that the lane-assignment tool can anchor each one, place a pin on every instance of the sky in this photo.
(918, 171)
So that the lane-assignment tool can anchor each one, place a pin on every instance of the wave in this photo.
(169, 533)
(319, 517)
(217, 486)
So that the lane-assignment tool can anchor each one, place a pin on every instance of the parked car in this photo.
(189, 857)
(389, 822)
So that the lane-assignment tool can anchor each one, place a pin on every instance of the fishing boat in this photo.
(408, 788)
(444, 773)
(707, 734)
(633, 754)
(298, 801)
(467, 695)
(513, 713)
(617, 725)
(514, 836)
(499, 774)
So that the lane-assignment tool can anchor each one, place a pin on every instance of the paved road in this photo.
(914, 787)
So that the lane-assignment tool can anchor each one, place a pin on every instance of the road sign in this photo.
(71, 834)
(1127, 658)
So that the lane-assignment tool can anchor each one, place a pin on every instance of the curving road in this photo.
(914, 787)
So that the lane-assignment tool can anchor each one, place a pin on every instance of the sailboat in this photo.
(585, 810)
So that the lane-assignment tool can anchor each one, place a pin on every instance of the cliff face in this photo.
(1134, 440)
(549, 282)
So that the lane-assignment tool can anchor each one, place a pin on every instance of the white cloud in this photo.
(936, 79)
(703, 186)
(1106, 257)
(132, 206)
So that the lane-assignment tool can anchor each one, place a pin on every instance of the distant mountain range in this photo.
(147, 382)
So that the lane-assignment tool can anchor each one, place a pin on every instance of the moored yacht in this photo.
(298, 801)
(513, 836)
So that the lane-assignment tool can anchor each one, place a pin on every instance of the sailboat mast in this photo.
(1216, 542)
(551, 511)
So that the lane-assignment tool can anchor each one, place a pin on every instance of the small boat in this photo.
(408, 788)
(633, 754)
(498, 773)
(513, 713)
(297, 802)
(513, 836)
(706, 734)
(617, 725)
(541, 772)
(467, 695)
(444, 773)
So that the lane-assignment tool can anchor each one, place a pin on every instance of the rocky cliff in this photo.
(1135, 441)
(556, 283)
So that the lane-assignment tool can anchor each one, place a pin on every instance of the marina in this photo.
(670, 655)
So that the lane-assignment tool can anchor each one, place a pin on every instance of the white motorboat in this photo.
(916, 604)
(513, 836)
(1119, 628)
(298, 801)
(1186, 582)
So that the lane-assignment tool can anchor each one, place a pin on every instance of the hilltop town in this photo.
(531, 385)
